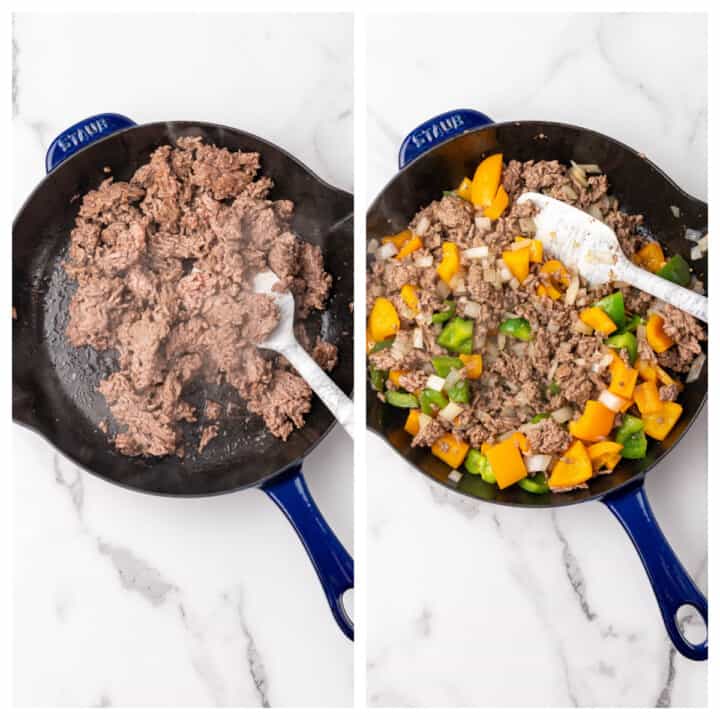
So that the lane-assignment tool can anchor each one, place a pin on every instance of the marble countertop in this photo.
(125, 599)
(472, 604)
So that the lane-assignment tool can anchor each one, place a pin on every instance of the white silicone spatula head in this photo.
(282, 340)
(588, 246)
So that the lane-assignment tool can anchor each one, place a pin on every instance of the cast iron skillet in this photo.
(437, 155)
(53, 383)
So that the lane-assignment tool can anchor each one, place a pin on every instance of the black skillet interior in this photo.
(640, 187)
(53, 383)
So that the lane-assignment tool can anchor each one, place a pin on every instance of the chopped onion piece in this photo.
(457, 284)
(695, 252)
(583, 328)
(435, 382)
(520, 244)
(601, 364)
(453, 376)
(454, 476)
(401, 346)
(553, 367)
(424, 420)
(373, 245)
(451, 411)
(476, 253)
(572, 291)
(442, 289)
(695, 368)
(482, 222)
(424, 261)
(418, 338)
(611, 401)
(693, 235)
(472, 309)
(423, 226)
(537, 463)
(562, 415)
(386, 251)
(591, 168)
(505, 274)
(506, 435)
(675, 210)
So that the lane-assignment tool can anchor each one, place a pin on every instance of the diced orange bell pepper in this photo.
(536, 251)
(506, 461)
(647, 398)
(573, 468)
(498, 205)
(394, 377)
(598, 320)
(450, 450)
(651, 257)
(604, 455)
(553, 269)
(656, 336)
(409, 297)
(450, 262)
(548, 290)
(664, 378)
(464, 189)
(473, 365)
(616, 359)
(521, 441)
(646, 369)
(412, 424)
(399, 239)
(622, 380)
(594, 424)
(413, 244)
(658, 425)
(486, 180)
(518, 262)
(384, 320)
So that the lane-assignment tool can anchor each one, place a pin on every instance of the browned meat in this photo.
(325, 354)
(548, 438)
(164, 267)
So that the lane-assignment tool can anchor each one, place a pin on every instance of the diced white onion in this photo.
(482, 222)
(501, 340)
(386, 251)
(424, 261)
(602, 363)
(450, 411)
(572, 291)
(562, 415)
(695, 368)
(553, 367)
(641, 332)
(695, 252)
(435, 382)
(418, 338)
(442, 289)
(520, 244)
(583, 328)
(453, 376)
(457, 284)
(537, 463)
(505, 274)
(423, 226)
(454, 476)
(611, 401)
(424, 420)
(675, 210)
(401, 346)
(591, 168)
(693, 235)
(506, 435)
(472, 309)
(373, 245)
(476, 253)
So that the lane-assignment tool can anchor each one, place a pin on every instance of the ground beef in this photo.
(164, 266)
(413, 381)
(548, 438)
(427, 435)
(325, 354)
(669, 392)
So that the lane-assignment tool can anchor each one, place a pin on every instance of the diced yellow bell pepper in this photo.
(594, 424)
(506, 461)
(664, 378)
(646, 369)
(604, 455)
(498, 205)
(521, 441)
(384, 320)
(409, 297)
(450, 450)
(622, 380)
(413, 244)
(573, 468)
(486, 180)
(473, 365)
(399, 239)
(598, 320)
(394, 377)
(548, 290)
(647, 398)
(553, 269)
(658, 425)
(536, 251)
(518, 262)
(412, 424)
(651, 257)
(450, 262)
(656, 336)
(464, 189)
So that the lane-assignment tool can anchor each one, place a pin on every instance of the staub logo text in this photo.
(437, 130)
(79, 136)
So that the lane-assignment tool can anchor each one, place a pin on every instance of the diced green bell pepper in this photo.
(537, 484)
(516, 327)
(443, 364)
(460, 391)
(535, 419)
(631, 435)
(401, 399)
(614, 306)
(378, 378)
(553, 388)
(456, 335)
(431, 400)
(378, 346)
(446, 313)
(624, 341)
(477, 464)
(633, 323)
(676, 270)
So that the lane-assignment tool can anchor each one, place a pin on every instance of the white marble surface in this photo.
(471, 604)
(125, 599)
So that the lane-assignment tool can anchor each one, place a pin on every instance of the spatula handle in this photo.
(691, 302)
(335, 400)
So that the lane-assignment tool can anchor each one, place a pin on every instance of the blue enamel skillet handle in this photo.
(333, 564)
(438, 129)
(82, 134)
(670, 582)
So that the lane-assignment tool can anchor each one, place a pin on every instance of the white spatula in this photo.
(282, 340)
(587, 245)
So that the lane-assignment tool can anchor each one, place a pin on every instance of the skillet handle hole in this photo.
(347, 602)
(690, 624)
